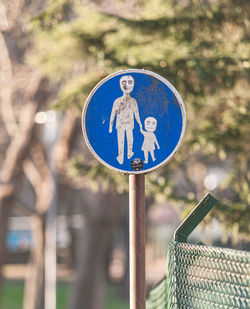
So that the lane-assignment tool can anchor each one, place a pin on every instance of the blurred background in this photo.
(63, 216)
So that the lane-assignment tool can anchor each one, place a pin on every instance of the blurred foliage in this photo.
(201, 47)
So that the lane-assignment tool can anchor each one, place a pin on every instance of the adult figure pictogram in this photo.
(125, 109)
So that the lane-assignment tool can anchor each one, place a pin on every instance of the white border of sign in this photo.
(157, 76)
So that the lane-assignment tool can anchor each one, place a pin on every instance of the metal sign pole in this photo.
(137, 241)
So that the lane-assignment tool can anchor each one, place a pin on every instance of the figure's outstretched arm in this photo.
(112, 117)
(137, 116)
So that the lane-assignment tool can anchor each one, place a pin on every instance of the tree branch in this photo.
(6, 89)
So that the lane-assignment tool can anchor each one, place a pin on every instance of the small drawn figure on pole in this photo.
(150, 139)
(125, 109)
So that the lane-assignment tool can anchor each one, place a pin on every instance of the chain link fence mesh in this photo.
(201, 276)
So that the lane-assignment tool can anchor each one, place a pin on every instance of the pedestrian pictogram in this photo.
(134, 121)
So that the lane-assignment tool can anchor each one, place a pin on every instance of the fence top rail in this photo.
(194, 218)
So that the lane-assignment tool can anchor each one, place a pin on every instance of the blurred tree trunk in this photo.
(38, 174)
(9, 177)
(16, 153)
(93, 250)
(34, 285)
(5, 210)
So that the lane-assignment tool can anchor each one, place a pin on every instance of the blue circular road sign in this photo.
(134, 121)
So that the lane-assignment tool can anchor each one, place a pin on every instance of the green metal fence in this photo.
(201, 276)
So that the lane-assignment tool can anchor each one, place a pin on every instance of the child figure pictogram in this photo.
(150, 139)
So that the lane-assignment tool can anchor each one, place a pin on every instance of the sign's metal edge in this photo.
(184, 120)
